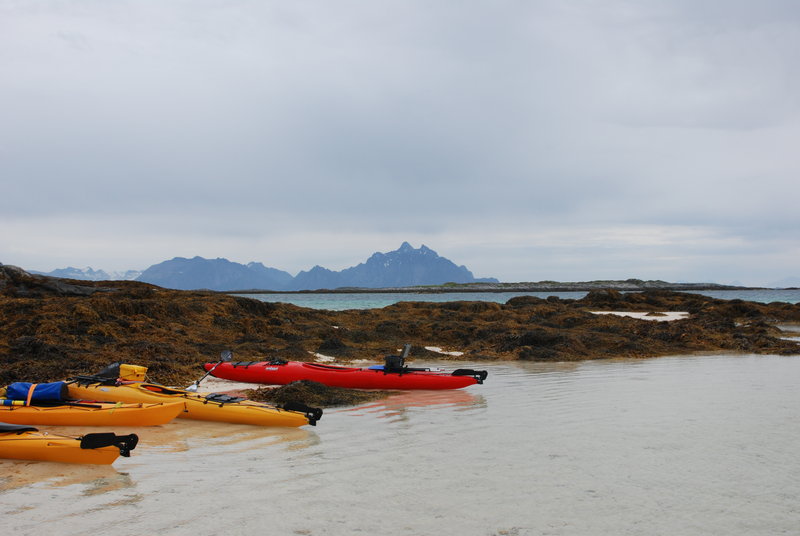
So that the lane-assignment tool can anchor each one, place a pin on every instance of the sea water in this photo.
(689, 445)
(375, 300)
(368, 300)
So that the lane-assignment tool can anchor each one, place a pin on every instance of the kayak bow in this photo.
(27, 443)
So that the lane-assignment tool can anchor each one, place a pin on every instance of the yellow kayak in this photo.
(204, 407)
(93, 414)
(20, 442)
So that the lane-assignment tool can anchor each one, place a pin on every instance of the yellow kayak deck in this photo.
(204, 407)
(94, 414)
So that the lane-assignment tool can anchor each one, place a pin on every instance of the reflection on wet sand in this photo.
(193, 434)
(21, 473)
(176, 437)
(396, 404)
(185, 434)
(182, 434)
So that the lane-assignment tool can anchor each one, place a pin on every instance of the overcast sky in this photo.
(528, 140)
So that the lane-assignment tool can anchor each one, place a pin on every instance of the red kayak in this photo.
(393, 375)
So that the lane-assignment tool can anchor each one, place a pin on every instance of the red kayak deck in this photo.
(273, 373)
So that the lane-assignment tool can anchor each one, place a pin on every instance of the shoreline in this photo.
(55, 329)
(629, 285)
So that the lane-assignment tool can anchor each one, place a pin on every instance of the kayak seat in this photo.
(393, 363)
(156, 388)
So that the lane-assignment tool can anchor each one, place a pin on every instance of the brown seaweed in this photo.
(51, 329)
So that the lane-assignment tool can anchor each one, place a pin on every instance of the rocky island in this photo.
(51, 328)
(627, 285)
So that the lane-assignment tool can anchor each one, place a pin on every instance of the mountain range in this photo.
(403, 267)
(89, 274)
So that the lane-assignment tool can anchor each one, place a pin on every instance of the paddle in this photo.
(125, 443)
(47, 403)
(224, 357)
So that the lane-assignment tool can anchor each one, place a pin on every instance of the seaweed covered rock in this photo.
(16, 282)
(314, 394)
(50, 329)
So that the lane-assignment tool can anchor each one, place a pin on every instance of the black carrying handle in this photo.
(125, 443)
(479, 375)
(312, 414)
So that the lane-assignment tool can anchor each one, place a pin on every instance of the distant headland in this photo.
(403, 267)
(627, 285)
(406, 269)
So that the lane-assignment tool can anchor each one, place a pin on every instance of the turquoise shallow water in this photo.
(339, 302)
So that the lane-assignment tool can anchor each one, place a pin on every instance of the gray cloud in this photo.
(307, 133)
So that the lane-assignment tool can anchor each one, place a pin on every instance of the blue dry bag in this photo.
(49, 392)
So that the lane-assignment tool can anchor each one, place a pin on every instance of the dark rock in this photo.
(333, 346)
(15, 281)
(314, 394)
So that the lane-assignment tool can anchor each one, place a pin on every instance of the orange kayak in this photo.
(204, 407)
(121, 382)
(93, 414)
(20, 442)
